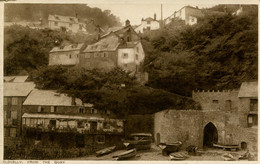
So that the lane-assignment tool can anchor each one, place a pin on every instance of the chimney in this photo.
(99, 32)
(73, 101)
(127, 22)
(154, 16)
(197, 7)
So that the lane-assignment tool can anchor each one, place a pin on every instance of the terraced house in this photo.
(57, 120)
(66, 23)
(14, 95)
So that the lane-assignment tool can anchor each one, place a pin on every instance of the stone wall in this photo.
(188, 127)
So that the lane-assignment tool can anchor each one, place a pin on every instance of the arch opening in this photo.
(210, 135)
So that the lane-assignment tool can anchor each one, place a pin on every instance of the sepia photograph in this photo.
(129, 80)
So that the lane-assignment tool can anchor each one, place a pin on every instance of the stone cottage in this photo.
(121, 47)
(227, 117)
(65, 55)
(55, 119)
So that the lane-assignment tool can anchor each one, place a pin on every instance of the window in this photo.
(13, 132)
(125, 55)
(107, 111)
(7, 132)
(14, 114)
(105, 55)
(55, 23)
(80, 124)
(148, 28)
(192, 19)
(252, 120)
(93, 111)
(106, 125)
(87, 55)
(14, 121)
(136, 57)
(53, 109)
(40, 109)
(14, 101)
(228, 105)
(100, 139)
(5, 101)
(82, 110)
(215, 101)
(253, 105)
(70, 56)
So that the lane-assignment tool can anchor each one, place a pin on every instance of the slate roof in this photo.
(129, 45)
(72, 47)
(17, 79)
(109, 43)
(248, 89)
(18, 89)
(60, 18)
(50, 98)
(60, 116)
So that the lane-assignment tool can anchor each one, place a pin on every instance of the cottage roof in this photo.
(50, 98)
(18, 89)
(60, 18)
(16, 79)
(248, 89)
(60, 116)
(149, 19)
(109, 43)
(72, 47)
(129, 45)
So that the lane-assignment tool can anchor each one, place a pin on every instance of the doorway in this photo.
(210, 135)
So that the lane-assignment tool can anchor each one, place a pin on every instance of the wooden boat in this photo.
(105, 151)
(140, 141)
(125, 155)
(178, 156)
(168, 148)
(227, 147)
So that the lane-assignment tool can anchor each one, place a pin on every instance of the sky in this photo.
(136, 11)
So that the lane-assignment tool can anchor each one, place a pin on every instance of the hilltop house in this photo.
(187, 13)
(14, 95)
(65, 55)
(236, 121)
(120, 47)
(67, 23)
(148, 24)
(55, 119)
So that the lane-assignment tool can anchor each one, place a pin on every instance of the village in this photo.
(40, 123)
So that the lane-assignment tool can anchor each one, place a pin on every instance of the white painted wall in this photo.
(154, 25)
(74, 27)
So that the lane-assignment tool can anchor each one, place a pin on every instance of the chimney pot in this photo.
(127, 22)
(154, 16)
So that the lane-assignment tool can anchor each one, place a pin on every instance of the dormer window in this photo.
(82, 110)
(125, 55)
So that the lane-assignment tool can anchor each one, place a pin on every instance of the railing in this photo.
(71, 130)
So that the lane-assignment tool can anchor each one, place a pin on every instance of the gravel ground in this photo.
(155, 154)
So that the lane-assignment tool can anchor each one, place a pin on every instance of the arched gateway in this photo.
(210, 135)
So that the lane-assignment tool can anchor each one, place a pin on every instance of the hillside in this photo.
(218, 53)
(33, 12)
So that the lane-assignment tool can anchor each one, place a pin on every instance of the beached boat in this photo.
(125, 155)
(168, 148)
(227, 147)
(178, 156)
(105, 151)
(140, 141)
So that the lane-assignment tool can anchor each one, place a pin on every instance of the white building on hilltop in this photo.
(148, 24)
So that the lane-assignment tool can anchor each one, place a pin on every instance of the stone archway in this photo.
(210, 135)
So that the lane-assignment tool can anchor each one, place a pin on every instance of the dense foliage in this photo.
(33, 12)
(220, 52)
(28, 49)
(115, 90)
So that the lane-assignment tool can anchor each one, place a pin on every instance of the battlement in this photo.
(218, 91)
